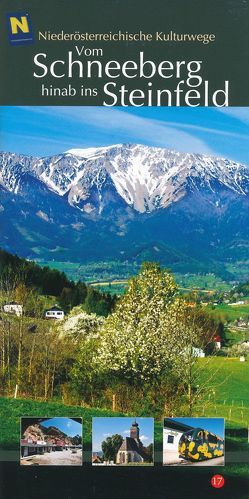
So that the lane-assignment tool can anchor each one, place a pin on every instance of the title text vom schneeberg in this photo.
(190, 88)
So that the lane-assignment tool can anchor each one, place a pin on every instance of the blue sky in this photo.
(214, 425)
(42, 131)
(67, 425)
(106, 427)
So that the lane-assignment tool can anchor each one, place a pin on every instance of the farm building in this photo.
(54, 313)
(12, 307)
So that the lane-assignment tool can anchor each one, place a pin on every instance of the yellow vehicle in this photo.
(199, 444)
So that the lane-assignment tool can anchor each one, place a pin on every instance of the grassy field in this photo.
(113, 287)
(239, 269)
(229, 380)
(229, 399)
(229, 312)
(186, 284)
(202, 281)
(227, 376)
(11, 410)
(93, 271)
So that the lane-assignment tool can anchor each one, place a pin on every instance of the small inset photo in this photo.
(51, 441)
(123, 441)
(193, 442)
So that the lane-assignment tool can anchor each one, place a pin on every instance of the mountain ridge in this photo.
(146, 178)
(123, 201)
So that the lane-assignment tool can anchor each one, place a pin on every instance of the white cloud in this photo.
(126, 432)
(106, 435)
(109, 123)
(240, 113)
(42, 138)
(209, 130)
(144, 438)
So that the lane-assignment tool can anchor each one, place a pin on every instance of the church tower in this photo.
(134, 431)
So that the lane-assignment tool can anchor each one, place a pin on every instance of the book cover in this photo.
(124, 279)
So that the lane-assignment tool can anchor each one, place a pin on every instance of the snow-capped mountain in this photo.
(146, 178)
(125, 201)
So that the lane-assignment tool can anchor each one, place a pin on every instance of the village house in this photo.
(132, 449)
(198, 352)
(54, 313)
(172, 433)
(12, 307)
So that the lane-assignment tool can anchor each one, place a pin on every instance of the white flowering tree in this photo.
(79, 325)
(145, 337)
(147, 343)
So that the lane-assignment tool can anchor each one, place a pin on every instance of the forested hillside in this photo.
(47, 281)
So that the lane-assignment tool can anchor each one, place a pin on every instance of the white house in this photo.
(172, 432)
(198, 352)
(54, 313)
(12, 307)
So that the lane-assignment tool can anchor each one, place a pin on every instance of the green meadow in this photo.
(230, 395)
(227, 312)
